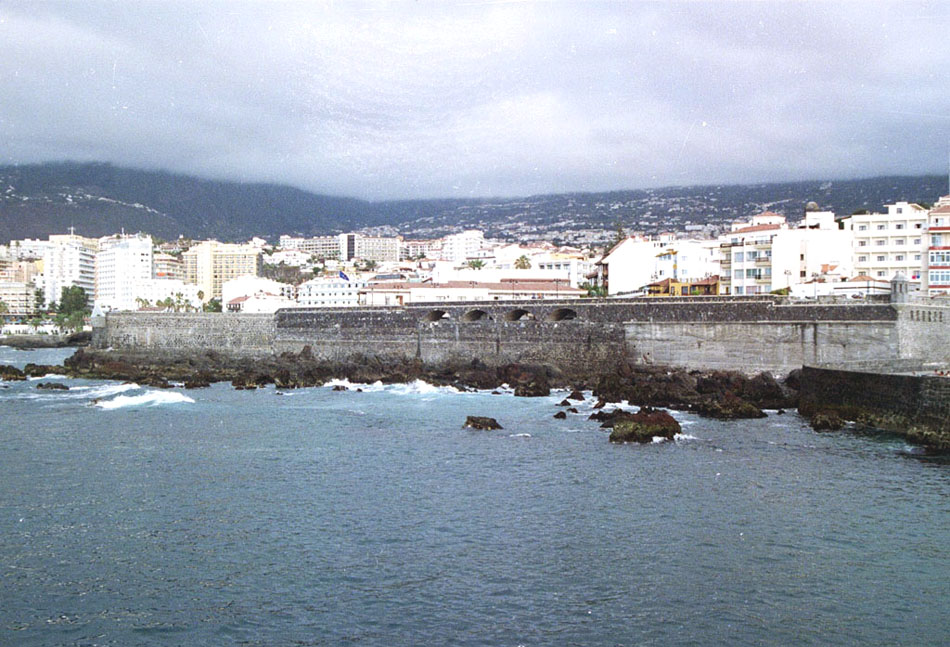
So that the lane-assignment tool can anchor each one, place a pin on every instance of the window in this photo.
(916, 241)
(899, 241)
(737, 274)
(918, 225)
(900, 209)
(752, 255)
(899, 225)
(881, 227)
(862, 259)
(862, 243)
(882, 273)
(916, 257)
(939, 277)
(935, 240)
(802, 274)
(739, 289)
(801, 257)
(740, 256)
(862, 227)
(940, 258)
(881, 259)
(899, 257)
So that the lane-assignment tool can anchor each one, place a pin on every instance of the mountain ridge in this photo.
(99, 199)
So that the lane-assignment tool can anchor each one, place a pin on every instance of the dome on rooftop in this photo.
(812, 206)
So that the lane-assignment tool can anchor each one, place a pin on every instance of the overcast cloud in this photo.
(436, 99)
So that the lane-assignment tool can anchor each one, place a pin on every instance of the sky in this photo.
(417, 99)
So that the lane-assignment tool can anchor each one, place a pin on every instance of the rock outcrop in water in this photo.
(481, 422)
(643, 426)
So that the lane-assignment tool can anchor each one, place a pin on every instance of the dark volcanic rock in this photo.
(481, 422)
(560, 415)
(576, 395)
(339, 387)
(563, 403)
(728, 407)
(826, 421)
(527, 380)
(644, 425)
(52, 386)
(11, 373)
(41, 370)
(611, 418)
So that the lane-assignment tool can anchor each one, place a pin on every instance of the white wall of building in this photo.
(247, 285)
(122, 265)
(67, 261)
(326, 292)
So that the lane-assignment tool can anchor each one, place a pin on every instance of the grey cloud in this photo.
(442, 99)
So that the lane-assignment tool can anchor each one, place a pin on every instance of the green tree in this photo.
(214, 305)
(621, 235)
(4, 308)
(476, 264)
(594, 290)
(73, 299)
(523, 263)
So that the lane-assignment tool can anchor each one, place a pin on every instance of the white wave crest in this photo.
(104, 390)
(149, 399)
(49, 376)
(519, 435)
(418, 387)
(678, 437)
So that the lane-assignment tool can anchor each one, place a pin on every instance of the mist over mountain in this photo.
(101, 199)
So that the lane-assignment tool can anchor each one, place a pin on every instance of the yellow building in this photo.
(670, 288)
(210, 264)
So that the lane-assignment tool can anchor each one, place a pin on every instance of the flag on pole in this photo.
(344, 276)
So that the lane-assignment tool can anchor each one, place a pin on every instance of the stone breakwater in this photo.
(908, 398)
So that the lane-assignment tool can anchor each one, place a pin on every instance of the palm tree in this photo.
(476, 264)
(523, 263)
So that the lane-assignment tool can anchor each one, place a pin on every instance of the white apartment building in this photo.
(329, 292)
(631, 264)
(766, 254)
(892, 242)
(67, 261)
(459, 247)
(18, 297)
(410, 249)
(688, 260)
(325, 247)
(210, 264)
(936, 272)
(27, 248)
(151, 292)
(249, 285)
(123, 264)
(166, 266)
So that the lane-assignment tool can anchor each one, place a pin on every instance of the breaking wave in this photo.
(147, 399)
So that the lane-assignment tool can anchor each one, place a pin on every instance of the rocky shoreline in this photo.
(716, 394)
(723, 395)
(29, 342)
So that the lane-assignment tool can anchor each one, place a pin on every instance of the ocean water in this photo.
(136, 516)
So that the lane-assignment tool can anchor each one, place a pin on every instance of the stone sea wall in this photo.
(905, 397)
(748, 334)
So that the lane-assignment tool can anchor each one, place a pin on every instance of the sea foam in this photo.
(147, 399)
